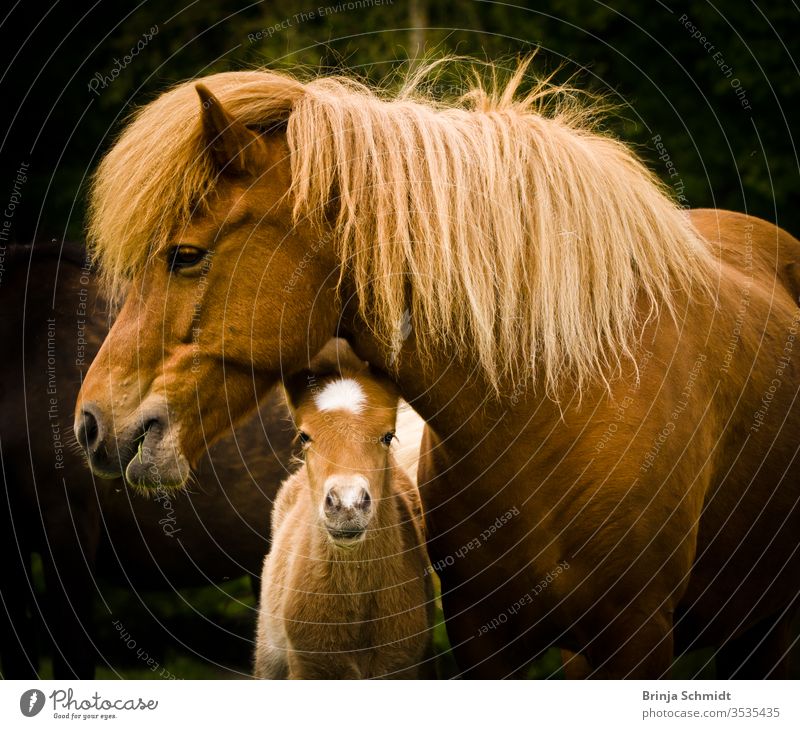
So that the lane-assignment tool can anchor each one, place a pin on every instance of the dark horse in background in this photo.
(53, 323)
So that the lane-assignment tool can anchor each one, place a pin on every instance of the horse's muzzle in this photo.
(87, 430)
(144, 452)
(106, 458)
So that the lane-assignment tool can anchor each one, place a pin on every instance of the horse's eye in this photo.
(185, 257)
(304, 438)
(387, 438)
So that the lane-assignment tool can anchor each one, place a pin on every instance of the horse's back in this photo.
(753, 246)
(749, 513)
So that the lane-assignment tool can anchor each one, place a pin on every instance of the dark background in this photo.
(729, 151)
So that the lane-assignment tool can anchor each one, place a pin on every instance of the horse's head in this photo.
(210, 322)
(346, 424)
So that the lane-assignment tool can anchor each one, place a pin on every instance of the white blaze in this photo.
(341, 395)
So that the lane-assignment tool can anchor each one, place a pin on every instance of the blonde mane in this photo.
(530, 239)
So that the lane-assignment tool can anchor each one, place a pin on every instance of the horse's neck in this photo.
(471, 419)
(451, 395)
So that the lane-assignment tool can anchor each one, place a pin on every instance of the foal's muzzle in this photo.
(348, 507)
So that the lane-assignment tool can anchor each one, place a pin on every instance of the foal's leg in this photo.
(271, 643)
(270, 663)
(316, 666)
(270, 660)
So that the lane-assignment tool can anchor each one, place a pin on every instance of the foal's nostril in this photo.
(347, 501)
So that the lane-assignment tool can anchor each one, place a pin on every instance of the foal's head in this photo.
(346, 422)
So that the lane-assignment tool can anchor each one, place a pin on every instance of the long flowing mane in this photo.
(530, 239)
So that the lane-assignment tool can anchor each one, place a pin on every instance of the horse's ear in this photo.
(236, 150)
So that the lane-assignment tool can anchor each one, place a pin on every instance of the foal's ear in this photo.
(297, 385)
(337, 357)
(236, 150)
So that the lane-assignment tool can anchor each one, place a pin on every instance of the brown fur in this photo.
(330, 610)
(695, 546)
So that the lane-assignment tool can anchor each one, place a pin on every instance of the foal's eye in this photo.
(180, 257)
(304, 438)
(387, 438)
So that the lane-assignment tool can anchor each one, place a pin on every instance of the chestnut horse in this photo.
(609, 381)
(346, 589)
(54, 321)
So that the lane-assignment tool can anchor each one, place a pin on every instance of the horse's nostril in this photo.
(328, 501)
(365, 500)
(88, 430)
(151, 424)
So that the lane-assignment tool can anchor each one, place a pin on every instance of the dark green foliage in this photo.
(728, 150)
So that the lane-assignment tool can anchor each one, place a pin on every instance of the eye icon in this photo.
(31, 702)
